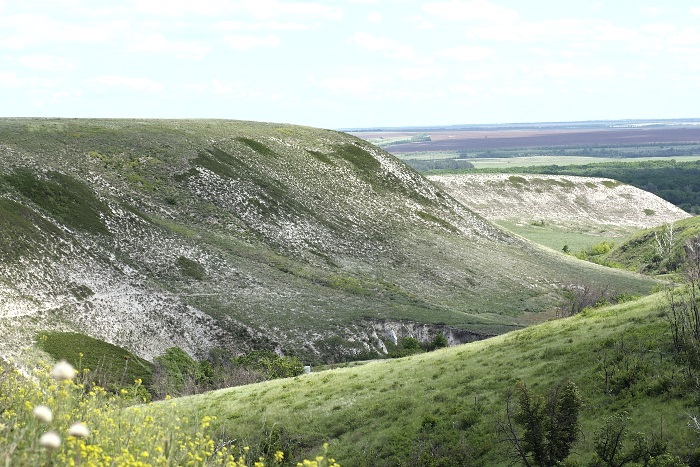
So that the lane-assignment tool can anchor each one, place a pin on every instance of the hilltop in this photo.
(237, 235)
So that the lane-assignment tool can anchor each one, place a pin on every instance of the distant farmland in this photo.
(498, 139)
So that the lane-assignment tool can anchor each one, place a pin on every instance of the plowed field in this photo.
(476, 140)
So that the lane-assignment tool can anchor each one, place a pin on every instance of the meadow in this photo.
(445, 407)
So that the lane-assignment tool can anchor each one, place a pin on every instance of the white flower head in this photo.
(43, 413)
(50, 440)
(63, 371)
(78, 430)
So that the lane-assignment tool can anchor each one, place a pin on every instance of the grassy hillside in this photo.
(659, 250)
(443, 408)
(236, 235)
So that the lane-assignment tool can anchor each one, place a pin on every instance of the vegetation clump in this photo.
(67, 199)
(549, 424)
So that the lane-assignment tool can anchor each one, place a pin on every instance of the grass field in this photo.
(528, 161)
(445, 404)
(576, 237)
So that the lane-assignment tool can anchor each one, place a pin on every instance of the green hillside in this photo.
(443, 407)
(233, 235)
(659, 250)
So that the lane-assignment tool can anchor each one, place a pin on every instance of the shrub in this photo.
(549, 423)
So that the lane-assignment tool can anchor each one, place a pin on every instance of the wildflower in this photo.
(79, 430)
(279, 456)
(63, 371)
(50, 440)
(43, 413)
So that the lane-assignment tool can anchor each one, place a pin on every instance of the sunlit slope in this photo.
(558, 210)
(658, 250)
(203, 234)
(446, 404)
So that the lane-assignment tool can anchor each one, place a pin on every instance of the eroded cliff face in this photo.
(393, 331)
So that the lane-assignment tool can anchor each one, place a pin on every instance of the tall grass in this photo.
(50, 417)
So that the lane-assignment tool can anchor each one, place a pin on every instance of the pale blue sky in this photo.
(351, 63)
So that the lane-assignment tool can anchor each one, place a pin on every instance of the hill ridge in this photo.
(238, 235)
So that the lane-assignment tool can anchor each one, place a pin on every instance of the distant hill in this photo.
(207, 234)
(559, 199)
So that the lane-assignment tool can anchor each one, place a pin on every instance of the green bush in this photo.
(271, 364)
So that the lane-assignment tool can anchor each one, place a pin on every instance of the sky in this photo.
(351, 63)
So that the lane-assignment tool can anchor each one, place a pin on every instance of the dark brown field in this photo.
(479, 140)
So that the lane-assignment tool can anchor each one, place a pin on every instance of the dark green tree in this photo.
(548, 423)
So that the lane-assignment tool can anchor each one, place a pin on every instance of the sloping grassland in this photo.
(237, 235)
(444, 407)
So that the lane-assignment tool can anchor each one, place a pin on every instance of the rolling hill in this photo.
(236, 235)
(560, 209)
(444, 407)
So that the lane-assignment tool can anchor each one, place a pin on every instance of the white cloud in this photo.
(420, 73)
(468, 90)
(262, 9)
(569, 71)
(654, 11)
(467, 53)
(565, 30)
(159, 44)
(263, 26)
(175, 8)
(522, 91)
(351, 84)
(695, 11)
(375, 17)
(686, 37)
(275, 8)
(481, 75)
(221, 88)
(25, 30)
(659, 29)
(245, 42)
(138, 84)
(420, 22)
(9, 79)
(473, 10)
(386, 46)
(47, 63)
